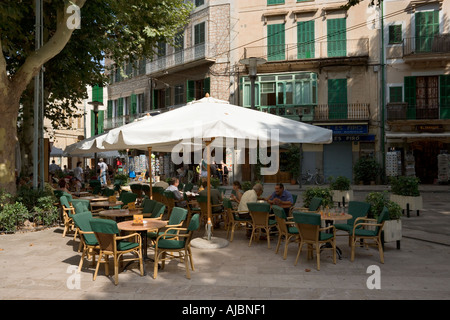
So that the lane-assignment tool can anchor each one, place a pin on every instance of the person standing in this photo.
(78, 172)
(103, 171)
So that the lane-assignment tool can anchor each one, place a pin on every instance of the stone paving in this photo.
(40, 265)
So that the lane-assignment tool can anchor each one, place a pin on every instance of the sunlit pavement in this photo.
(41, 265)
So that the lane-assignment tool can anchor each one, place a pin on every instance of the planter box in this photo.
(392, 230)
(408, 203)
(338, 195)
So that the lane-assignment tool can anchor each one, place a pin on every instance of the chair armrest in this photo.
(132, 235)
(172, 235)
(327, 228)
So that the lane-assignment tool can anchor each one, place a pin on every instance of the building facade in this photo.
(417, 86)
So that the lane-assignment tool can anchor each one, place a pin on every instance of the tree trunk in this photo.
(9, 107)
(26, 131)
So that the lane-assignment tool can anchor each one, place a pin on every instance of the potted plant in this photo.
(405, 192)
(393, 227)
(324, 193)
(341, 189)
(366, 170)
(293, 164)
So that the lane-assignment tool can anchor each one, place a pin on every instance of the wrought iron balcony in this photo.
(202, 52)
(311, 50)
(439, 43)
(403, 111)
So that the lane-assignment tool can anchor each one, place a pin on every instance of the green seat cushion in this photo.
(90, 239)
(365, 233)
(125, 245)
(344, 227)
(272, 222)
(170, 244)
(325, 236)
(293, 230)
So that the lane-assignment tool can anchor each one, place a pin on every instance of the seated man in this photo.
(173, 186)
(216, 196)
(281, 197)
(250, 196)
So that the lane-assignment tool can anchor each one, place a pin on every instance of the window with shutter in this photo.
(444, 99)
(275, 42)
(190, 90)
(336, 37)
(395, 34)
(120, 107)
(110, 109)
(337, 98)
(427, 26)
(305, 39)
(133, 107)
(410, 97)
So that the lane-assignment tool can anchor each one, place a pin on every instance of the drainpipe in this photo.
(383, 97)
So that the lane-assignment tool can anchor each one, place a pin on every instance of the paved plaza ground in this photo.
(40, 265)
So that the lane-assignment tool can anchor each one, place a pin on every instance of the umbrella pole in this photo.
(208, 179)
(150, 171)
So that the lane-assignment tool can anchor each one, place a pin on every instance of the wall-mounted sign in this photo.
(347, 128)
(434, 128)
(353, 138)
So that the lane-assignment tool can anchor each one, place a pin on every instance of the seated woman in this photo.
(236, 194)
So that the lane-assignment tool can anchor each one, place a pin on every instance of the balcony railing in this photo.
(323, 112)
(198, 52)
(439, 43)
(312, 50)
(403, 111)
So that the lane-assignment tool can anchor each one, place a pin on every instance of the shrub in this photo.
(45, 212)
(379, 200)
(405, 186)
(13, 215)
(324, 193)
(341, 183)
(366, 169)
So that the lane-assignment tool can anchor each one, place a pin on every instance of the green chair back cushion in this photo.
(357, 209)
(177, 216)
(279, 212)
(307, 218)
(104, 226)
(258, 206)
(148, 205)
(82, 221)
(158, 210)
(315, 203)
(194, 224)
(64, 202)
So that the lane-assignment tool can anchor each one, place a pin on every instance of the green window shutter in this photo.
(444, 84)
(410, 97)
(271, 2)
(97, 93)
(336, 37)
(190, 91)
(337, 98)
(305, 39)
(133, 108)
(427, 26)
(199, 33)
(110, 109)
(395, 94)
(101, 121)
(206, 86)
(275, 42)
(120, 107)
(395, 34)
(155, 99)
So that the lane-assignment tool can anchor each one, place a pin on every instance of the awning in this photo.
(416, 135)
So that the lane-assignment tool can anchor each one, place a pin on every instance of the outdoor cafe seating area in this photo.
(141, 231)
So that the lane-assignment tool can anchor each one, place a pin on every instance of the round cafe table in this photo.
(106, 204)
(118, 214)
(148, 225)
(330, 219)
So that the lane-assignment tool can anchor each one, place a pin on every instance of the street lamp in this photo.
(252, 65)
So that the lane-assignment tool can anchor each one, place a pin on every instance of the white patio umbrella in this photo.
(207, 120)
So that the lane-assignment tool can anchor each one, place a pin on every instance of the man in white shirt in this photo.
(103, 171)
(250, 196)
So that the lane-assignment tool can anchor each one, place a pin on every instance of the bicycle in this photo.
(308, 177)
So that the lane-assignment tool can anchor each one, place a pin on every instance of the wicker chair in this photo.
(308, 225)
(285, 229)
(88, 242)
(233, 220)
(260, 220)
(357, 209)
(359, 233)
(181, 244)
(176, 220)
(111, 244)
